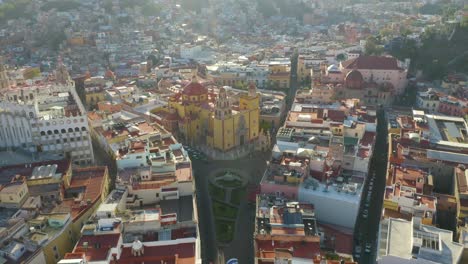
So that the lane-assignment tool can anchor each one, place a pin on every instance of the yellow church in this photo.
(200, 117)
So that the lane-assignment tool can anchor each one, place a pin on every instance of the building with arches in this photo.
(45, 116)
(201, 117)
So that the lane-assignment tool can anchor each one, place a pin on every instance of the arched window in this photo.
(70, 130)
(42, 133)
(63, 131)
(49, 132)
(77, 129)
(83, 129)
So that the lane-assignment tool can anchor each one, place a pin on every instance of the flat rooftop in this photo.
(183, 207)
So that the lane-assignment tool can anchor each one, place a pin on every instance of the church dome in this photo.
(194, 88)
(354, 79)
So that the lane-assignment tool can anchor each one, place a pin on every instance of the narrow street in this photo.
(366, 231)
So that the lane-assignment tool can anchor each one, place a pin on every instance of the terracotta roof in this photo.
(172, 116)
(343, 238)
(302, 249)
(336, 115)
(368, 138)
(89, 181)
(185, 254)
(98, 246)
(372, 62)
(194, 88)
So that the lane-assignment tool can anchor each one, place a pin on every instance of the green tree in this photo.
(405, 31)
(373, 46)
(385, 32)
(341, 57)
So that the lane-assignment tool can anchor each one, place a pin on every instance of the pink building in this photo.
(379, 69)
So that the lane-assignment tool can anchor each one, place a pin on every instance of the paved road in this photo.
(241, 247)
(367, 228)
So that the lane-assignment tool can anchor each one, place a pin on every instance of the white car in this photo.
(368, 248)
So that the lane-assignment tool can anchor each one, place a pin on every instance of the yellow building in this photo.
(304, 69)
(54, 233)
(14, 194)
(280, 74)
(200, 119)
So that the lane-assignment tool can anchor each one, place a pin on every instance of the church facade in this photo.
(200, 117)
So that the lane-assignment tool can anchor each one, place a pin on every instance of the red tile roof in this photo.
(372, 62)
(185, 254)
(368, 138)
(343, 238)
(89, 181)
(98, 246)
(336, 115)
(194, 88)
(302, 249)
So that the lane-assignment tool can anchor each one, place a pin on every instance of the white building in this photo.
(334, 205)
(410, 242)
(47, 117)
(428, 100)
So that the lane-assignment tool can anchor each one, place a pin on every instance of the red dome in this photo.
(354, 79)
(194, 88)
(172, 117)
(109, 74)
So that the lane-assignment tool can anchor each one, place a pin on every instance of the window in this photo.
(63, 131)
(70, 130)
(77, 129)
(42, 133)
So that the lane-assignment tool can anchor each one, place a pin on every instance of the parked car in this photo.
(368, 248)
(365, 213)
(357, 249)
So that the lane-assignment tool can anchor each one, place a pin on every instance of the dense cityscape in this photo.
(233, 131)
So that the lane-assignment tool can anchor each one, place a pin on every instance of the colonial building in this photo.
(46, 116)
(203, 118)
(379, 69)
(374, 80)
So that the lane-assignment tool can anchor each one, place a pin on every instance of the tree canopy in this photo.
(373, 46)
